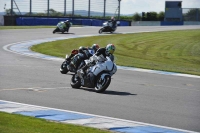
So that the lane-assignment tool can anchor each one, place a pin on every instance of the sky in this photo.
(139, 6)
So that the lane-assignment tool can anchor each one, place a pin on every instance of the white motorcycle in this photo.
(97, 76)
(108, 27)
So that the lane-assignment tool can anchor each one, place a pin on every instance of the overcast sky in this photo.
(133, 6)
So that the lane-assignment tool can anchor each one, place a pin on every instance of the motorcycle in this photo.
(61, 27)
(108, 27)
(97, 77)
(76, 62)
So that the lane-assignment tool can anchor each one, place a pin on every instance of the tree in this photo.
(53, 12)
(136, 17)
(191, 15)
(161, 16)
(8, 12)
(153, 16)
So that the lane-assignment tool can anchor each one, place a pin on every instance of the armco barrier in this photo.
(168, 23)
(32, 21)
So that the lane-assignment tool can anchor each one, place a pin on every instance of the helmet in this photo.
(81, 48)
(112, 18)
(66, 21)
(95, 47)
(110, 49)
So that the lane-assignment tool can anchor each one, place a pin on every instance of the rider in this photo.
(100, 55)
(113, 21)
(67, 24)
(81, 49)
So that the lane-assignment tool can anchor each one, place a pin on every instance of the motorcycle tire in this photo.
(75, 82)
(101, 86)
(63, 68)
(101, 30)
(56, 30)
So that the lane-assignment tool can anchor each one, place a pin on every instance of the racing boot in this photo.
(80, 73)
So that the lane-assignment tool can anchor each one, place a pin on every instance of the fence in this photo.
(68, 8)
(191, 14)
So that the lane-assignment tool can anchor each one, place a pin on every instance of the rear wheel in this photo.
(102, 84)
(56, 30)
(75, 81)
(101, 30)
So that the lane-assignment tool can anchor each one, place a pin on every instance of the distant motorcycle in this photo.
(97, 76)
(61, 27)
(108, 27)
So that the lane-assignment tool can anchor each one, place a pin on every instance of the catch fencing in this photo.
(64, 8)
(191, 14)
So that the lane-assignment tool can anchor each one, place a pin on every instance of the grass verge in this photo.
(175, 51)
(14, 123)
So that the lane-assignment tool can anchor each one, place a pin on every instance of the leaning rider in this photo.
(67, 24)
(81, 49)
(113, 21)
(100, 55)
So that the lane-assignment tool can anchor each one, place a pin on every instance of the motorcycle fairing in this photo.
(102, 66)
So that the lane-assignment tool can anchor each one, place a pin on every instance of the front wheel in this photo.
(102, 84)
(63, 67)
(75, 81)
(56, 30)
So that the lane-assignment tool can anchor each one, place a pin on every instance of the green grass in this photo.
(175, 51)
(13, 123)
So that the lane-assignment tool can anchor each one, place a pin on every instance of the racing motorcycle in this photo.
(76, 62)
(97, 77)
(107, 27)
(61, 27)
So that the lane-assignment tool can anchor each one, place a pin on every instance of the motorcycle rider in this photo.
(100, 56)
(81, 49)
(113, 21)
(67, 24)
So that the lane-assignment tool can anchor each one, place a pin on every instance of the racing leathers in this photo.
(113, 23)
(100, 55)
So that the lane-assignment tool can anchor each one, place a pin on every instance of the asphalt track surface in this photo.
(164, 100)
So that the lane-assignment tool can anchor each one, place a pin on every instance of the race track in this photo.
(172, 101)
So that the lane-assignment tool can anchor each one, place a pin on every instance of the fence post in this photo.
(72, 8)
(47, 7)
(64, 7)
(119, 10)
(11, 11)
(30, 8)
(88, 8)
(104, 11)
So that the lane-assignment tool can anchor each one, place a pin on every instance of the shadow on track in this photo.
(109, 92)
(66, 33)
